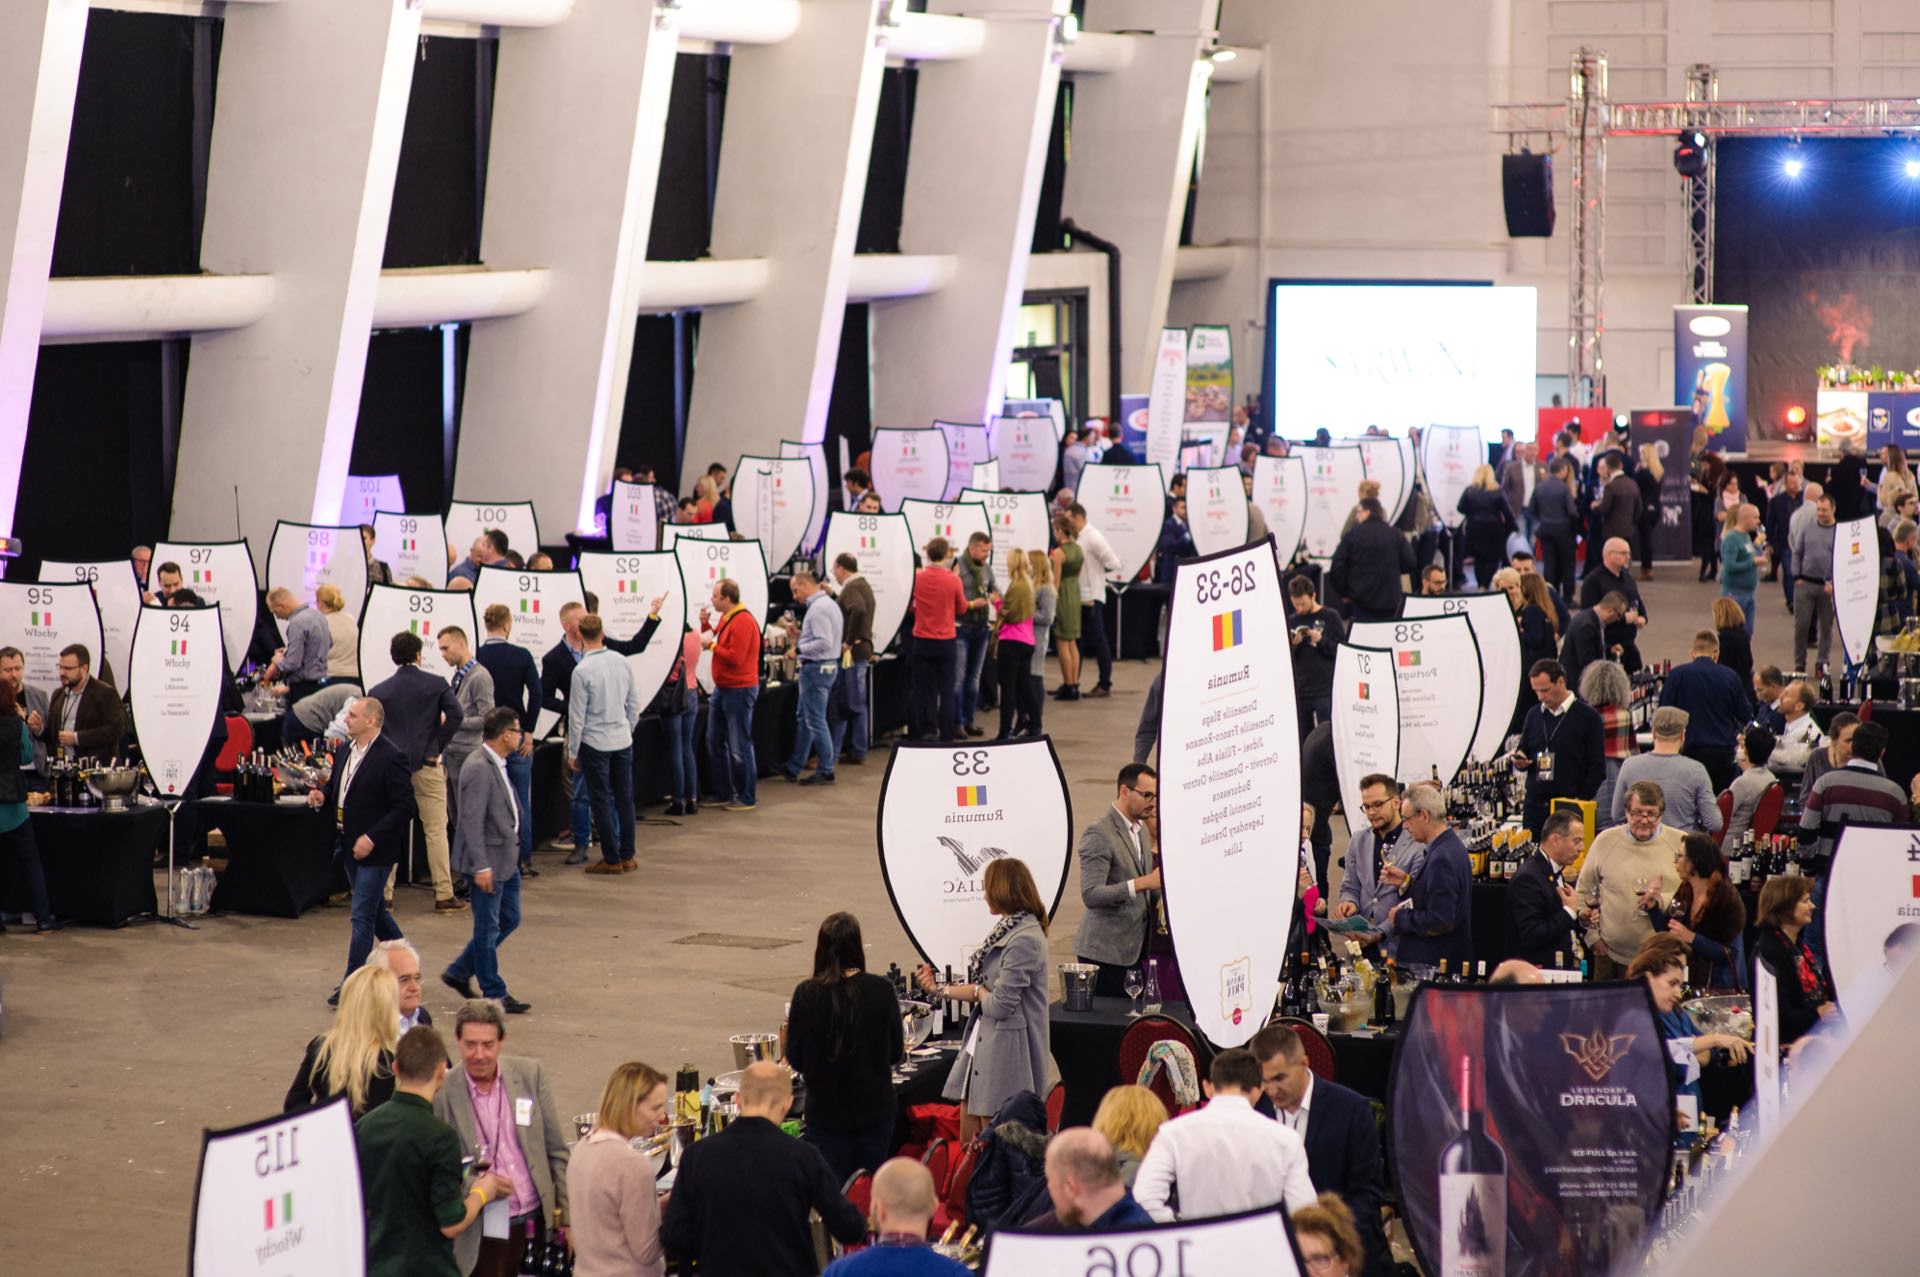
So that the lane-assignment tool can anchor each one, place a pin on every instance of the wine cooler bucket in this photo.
(751, 1048)
(1076, 985)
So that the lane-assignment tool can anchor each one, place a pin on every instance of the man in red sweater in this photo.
(734, 638)
(939, 600)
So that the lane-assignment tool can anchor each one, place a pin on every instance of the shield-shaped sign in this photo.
(1436, 663)
(1333, 489)
(957, 521)
(1128, 504)
(1028, 449)
(1280, 490)
(626, 585)
(394, 609)
(816, 457)
(535, 600)
(220, 572)
(1217, 509)
(1015, 521)
(412, 545)
(1498, 636)
(1366, 721)
(1385, 461)
(1448, 457)
(966, 444)
(633, 518)
(302, 557)
(908, 465)
(773, 503)
(43, 618)
(116, 592)
(466, 520)
(705, 563)
(882, 545)
(178, 669)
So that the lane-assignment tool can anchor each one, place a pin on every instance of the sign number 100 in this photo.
(1142, 1259)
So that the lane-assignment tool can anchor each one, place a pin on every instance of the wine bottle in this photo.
(1387, 1014)
(1480, 973)
(1473, 1194)
(1440, 975)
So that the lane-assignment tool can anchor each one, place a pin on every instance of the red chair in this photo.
(1865, 711)
(1139, 1038)
(953, 1199)
(858, 1190)
(1766, 816)
(1056, 1107)
(938, 1160)
(1320, 1056)
(1726, 816)
(239, 744)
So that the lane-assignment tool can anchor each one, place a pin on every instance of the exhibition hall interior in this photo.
(915, 637)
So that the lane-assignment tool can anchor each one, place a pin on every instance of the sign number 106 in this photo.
(1142, 1259)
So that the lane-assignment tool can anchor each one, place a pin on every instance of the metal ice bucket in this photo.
(114, 786)
(1076, 985)
(751, 1048)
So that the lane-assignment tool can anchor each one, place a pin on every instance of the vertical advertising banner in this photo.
(626, 585)
(882, 544)
(704, 564)
(116, 592)
(1766, 1049)
(1254, 1242)
(956, 521)
(42, 619)
(1448, 457)
(1333, 489)
(1533, 1128)
(1498, 637)
(1710, 371)
(1229, 787)
(1436, 664)
(1167, 402)
(1280, 490)
(1384, 460)
(1873, 891)
(966, 444)
(1366, 721)
(1217, 509)
(393, 609)
(986, 475)
(946, 813)
(1856, 584)
(178, 670)
(1210, 373)
(1128, 504)
(773, 503)
(220, 572)
(466, 520)
(281, 1196)
(1670, 431)
(534, 600)
(816, 458)
(302, 557)
(1017, 521)
(1028, 451)
(908, 465)
(412, 545)
(633, 519)
(368, 495)
(1133, 423)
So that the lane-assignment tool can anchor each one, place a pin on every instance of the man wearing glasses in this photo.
(1384, 839)
(1117, 881)
(85, 720)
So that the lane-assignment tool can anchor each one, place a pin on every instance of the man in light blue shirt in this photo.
(603, 707)
(820, 635)
(302, 663)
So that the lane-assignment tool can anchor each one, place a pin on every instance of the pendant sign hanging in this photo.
(398, 609)
(281, 1196)
(957, 521)
(116, 592)
(220, 572)
(534, 600)
(1333, 489)
(302, 557)
(908, 465)
(966, 444)
(703, 565)
(1217, 509)
(1497, 634)
(773, 503)
(412, 545)
(1028, 449)
(882, 545)
(468, 520)
(1366, 721)
(1385, 462)
(42, 619)
(1167, 402)
(178, 671)
(1448, 457)
(633, 517)
(626, 585)
(1017, 521)
(1856, 584)
(1128, 504)
(1280, 490)
(946, 813)
(816, 458)
(1437, 668)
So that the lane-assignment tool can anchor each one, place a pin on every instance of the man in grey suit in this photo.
(472, 685)
(486, 847)
(501, 1103)
(1117, 882)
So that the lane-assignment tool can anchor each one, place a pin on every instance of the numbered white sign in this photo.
(1217, 509)
(773, 503)
(1280, 490)
(303, 556)
(1333, 489)
(625, 586)
(220, 572)
(368, 495)
(412, 546)
(908, 465)
(946, 813)
(633, 519)
(703, 564)
(1870, 896)
(535, 600)
(1229, 788)
(1128, 504)
(1856, 585)
(42, 619)
(816, 458)
(467, 520)
(1388, 462)
(1048, 410)
(1436, 665)
(116, 592)
(1366, 721)
(1167, 402)
(673, 533)
(883, 546)
(178, 670)
(1256, 1242)
(281, 1196)
(1017, 521)
(397, 609)
(1028, 449)
(1502, 665)
(956, 521)
(966, 444)
(1448, 457)
(986, 475)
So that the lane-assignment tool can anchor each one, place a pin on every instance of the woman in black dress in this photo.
(1736, 649)
(1488, 521)
(844, 1036)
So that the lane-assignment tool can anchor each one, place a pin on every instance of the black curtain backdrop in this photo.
(653, 425)
(850, 407)
(402, 413)
(881, 210)
(1047, 235)
(440, 183)
(690, 159)
(1829, 263)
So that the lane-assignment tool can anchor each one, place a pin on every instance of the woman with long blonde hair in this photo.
(1014, 657)
(1129, 1116)
(615, 1213)
(354, 1057)
(1488, 521)
(1046, 597)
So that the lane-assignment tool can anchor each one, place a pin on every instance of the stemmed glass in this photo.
(1135, 985)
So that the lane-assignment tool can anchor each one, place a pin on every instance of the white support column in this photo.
(981, 127)
(580, 112)
(39, 74)
(793, 171)
(1134, 133)
(306, 139)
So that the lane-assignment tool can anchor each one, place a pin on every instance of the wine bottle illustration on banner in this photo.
(1473, 1194)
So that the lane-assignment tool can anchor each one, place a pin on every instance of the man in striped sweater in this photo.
(1855, 793)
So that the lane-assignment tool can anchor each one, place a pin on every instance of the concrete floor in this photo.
(121, 1046)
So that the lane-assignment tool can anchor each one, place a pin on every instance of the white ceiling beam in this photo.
(934, 37)
(738, 21)
(151, 307)
(696, 285)
(880, 276)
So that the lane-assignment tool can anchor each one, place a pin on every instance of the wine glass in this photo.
(1135, 984)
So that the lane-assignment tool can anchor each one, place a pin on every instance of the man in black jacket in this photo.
(1342, 1139)
(516, 685)
(370, 793)
(741, 1200)
(1778, 523)
(422, 714)
(1543, 907)
(1368, 564)
(1615, 576)
(1317, 633)
(1586, 637)
(1562, 745)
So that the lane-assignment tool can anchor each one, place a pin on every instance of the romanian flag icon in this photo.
(422, 628)
(1228, 630)
(970, 795)
(179, 647)
(284, 1215)
(530, 605)
(40, 618)
(1366, 693)
(1407, 660)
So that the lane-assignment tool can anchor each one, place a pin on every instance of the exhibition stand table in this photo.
(1086, 1049)
(280, 856)
(1902, 759)
(99, 864)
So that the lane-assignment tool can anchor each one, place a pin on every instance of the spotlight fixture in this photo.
(1690, 154)
(1793, 165)
(1223, 55)
(1913, 168)
(1796, 416)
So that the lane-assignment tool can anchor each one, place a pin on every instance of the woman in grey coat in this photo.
(1007, 1047)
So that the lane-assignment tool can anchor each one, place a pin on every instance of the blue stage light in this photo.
(1913, 168)
(1793, 167)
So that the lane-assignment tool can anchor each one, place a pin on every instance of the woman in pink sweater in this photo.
(610, 1184)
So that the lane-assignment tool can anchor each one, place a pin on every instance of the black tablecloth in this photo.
(1902, 760)
(1086, 1049)
(1491, 922)
(1138, 620)
(280, 860)
(99, 865)
(266, 732)
(1363, 1062)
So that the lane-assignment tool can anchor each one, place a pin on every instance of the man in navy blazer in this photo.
(1543, 908)
(370, 793)
(1435, 921)
(1342, 1138)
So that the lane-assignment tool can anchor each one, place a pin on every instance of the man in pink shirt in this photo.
(939, 601)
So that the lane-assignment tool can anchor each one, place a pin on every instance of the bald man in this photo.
(1083, 1179)
(1615, 576)
(903, 1206)
(302, 663)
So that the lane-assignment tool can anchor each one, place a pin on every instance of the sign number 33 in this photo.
(970, 763)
